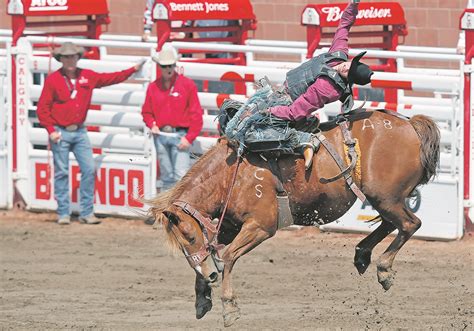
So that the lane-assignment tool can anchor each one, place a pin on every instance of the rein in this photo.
(209, 229)
(229, 193)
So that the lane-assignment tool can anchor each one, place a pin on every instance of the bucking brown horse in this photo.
(396, 155)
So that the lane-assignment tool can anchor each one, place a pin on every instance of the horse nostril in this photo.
(213, 277)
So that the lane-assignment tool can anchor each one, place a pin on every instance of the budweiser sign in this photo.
(334, 14)
(374, 13)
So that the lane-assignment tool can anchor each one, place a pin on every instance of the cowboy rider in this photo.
(333, 80)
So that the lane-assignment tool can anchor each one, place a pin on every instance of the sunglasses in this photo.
(167, 66)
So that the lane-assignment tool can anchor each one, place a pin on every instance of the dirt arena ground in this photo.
(119, 276)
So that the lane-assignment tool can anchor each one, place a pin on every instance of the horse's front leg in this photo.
(249, 237)
(203, 296)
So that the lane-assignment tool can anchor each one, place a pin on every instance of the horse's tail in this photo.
(429, 135)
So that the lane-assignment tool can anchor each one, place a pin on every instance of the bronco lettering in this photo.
(115, 187)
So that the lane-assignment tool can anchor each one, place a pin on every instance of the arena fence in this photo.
(127, 165)
(6, 193)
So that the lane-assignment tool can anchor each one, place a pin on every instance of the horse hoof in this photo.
(202, 309)
(362, 260)
(231, 312)
(231, 317)
(386, 279)
(361, 267)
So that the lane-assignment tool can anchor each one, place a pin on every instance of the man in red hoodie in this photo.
(173, 113)
(62, 109)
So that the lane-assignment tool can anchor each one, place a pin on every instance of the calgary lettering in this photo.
(199, 6)
(334, 13)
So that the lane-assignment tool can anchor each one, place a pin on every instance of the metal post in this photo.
(21, 78)
(467, 24)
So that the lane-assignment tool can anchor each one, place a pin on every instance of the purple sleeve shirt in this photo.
(323, 90)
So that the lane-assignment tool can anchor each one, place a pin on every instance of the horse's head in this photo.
(195, 235)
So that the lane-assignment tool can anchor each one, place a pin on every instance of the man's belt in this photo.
(170, 129)
(72, 127)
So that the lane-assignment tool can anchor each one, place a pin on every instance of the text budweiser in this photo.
(335, 13)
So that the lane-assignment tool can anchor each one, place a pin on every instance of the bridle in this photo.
(210, 235)
(209, 228)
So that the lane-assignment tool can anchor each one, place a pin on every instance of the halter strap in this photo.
(190, 210)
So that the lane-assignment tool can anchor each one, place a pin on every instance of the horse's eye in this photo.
(192, 240)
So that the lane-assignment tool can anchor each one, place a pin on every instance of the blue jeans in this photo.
(174, 163)
(78, 143)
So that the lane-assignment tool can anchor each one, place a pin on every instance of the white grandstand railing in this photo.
(271, 46)
(209, 101)
(204, 71)
(134, 93)
(247, 48)
(127, 143)
(425, 49)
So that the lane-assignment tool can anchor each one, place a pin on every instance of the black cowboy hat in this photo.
(359, 73)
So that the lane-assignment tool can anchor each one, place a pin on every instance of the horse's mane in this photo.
(163, 200)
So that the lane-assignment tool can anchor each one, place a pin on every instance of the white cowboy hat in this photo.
(68, 49)
(167, 56)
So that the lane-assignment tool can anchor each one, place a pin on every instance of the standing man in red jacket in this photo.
(173, 113)
(62, 110)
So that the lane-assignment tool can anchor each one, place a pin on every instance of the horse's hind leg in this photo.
(249, 237)
(407, 223)
(363, 250)
(203, 296)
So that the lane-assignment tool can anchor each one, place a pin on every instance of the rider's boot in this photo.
(308, 152)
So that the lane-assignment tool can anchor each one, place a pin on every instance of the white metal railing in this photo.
(122, 128)
(133, 94)
(5, 178)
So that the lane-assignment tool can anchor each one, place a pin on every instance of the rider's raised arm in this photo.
(341, 38)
